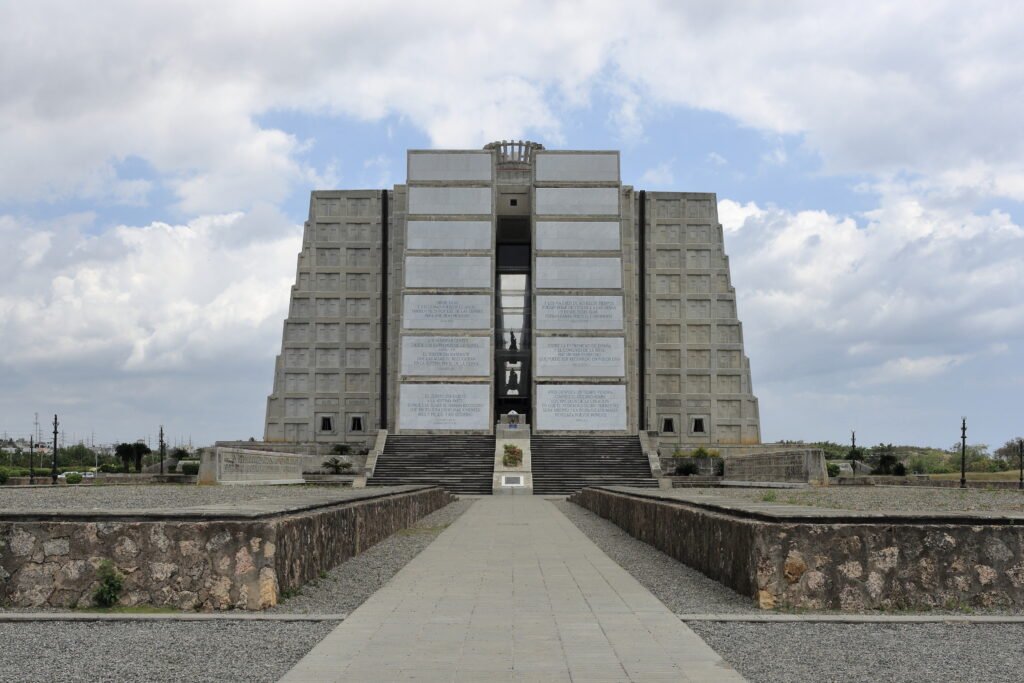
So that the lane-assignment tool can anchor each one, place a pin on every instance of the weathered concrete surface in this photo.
(228, 465)
(799, 557)
(791, 465)
(224, 557)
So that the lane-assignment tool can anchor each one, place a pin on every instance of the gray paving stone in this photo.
(512, 591)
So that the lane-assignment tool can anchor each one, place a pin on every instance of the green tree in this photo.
(887, 459)
(132, 452)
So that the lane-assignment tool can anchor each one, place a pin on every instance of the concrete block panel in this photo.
(446, 312)
(470, 272)
(579, 313)
(577, 167)
(577, 201)
(444, 406)
(459, 166)
(448, 235)
(446, 356)
(578, 235)
(556, 272)
(449, 201)
(572, 407)
(581, 357)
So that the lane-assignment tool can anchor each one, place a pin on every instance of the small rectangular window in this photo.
(326, 424)
(513, 202)
(356, 425)
(668, 425)
(698, 425)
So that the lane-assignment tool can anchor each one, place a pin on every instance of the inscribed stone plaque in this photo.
(578, 235)
(579, 312)
(446, 312)
(448, 271)
(577, 167)
(581, 357)
(556, 272)
(446, 356)
(581, 407)
(444, 406)
(577, 201)
(449, 201)
(466, 166)
(449, 235)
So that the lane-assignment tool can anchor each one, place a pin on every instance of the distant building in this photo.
(512, 278)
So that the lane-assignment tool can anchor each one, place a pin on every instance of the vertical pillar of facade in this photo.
(580, 306)
(444, 346)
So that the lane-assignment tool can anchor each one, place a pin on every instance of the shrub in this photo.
(109, 468)
(686, 467)
(769, 496)
(341, 449)
(719, 467)
(337, 465)
(3, 477)
(73, 478)
(111, 582)
(899, 469)
(700, 452)
(513, 456)
(190, 467)
(171, 467)
(833, 469)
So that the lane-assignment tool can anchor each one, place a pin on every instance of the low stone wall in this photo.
(794, 465)
(922, 480)
(228, 465)
(839, 560)
(197, 560)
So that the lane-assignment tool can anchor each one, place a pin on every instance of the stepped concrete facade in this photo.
(512, 280)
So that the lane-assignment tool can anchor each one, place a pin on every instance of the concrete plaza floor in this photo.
(512, 591)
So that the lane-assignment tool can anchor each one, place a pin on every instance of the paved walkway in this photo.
(512, 591)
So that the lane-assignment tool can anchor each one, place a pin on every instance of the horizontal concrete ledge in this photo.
(802, 514)
(18, 617)
(227, 512)
(858, 618)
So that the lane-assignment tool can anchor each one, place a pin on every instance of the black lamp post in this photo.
(963, 453)
(1020, 452)
(853, 452)
(31, 460)
(162, 450)
(54, 467)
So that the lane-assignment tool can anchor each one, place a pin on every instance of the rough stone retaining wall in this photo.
(828, 563)
(199, 562)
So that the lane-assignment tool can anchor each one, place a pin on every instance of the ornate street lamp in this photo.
(1020, 452)
(31, 460)
(963, 453)
(54, 469)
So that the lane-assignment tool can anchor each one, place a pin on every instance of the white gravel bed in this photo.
(145, 496)
(198, 652)
(681, 589)
(877, 498)
(869, 653)
(349, 584)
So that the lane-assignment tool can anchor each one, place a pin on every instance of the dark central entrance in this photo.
(512, 318)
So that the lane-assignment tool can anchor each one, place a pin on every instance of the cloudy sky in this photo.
(156, 161)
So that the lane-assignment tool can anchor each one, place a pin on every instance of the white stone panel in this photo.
(444, 406)
(446, 312)
(446, 356)
(448, 271)
(556, 272)
(581, 357)
(578, 235)
(577, 167)
(576, 201)
(580, 407)
(449, 235)
(579, 313)
(460, 166)
(449, 201)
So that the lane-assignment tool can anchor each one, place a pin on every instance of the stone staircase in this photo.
(459, 463)
(565, 464)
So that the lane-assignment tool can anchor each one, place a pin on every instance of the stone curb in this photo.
(858, 618)
(16, 617)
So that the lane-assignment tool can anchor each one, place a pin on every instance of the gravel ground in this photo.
(681, 589)
(848, 653)
(879, 498)
(143, 496)
(218, 652)
(349, 584)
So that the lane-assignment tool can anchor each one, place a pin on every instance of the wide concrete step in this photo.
(461, 464)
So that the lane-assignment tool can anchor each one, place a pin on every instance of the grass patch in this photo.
(769, 496)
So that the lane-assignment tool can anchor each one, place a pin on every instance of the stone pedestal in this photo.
(512, 480)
